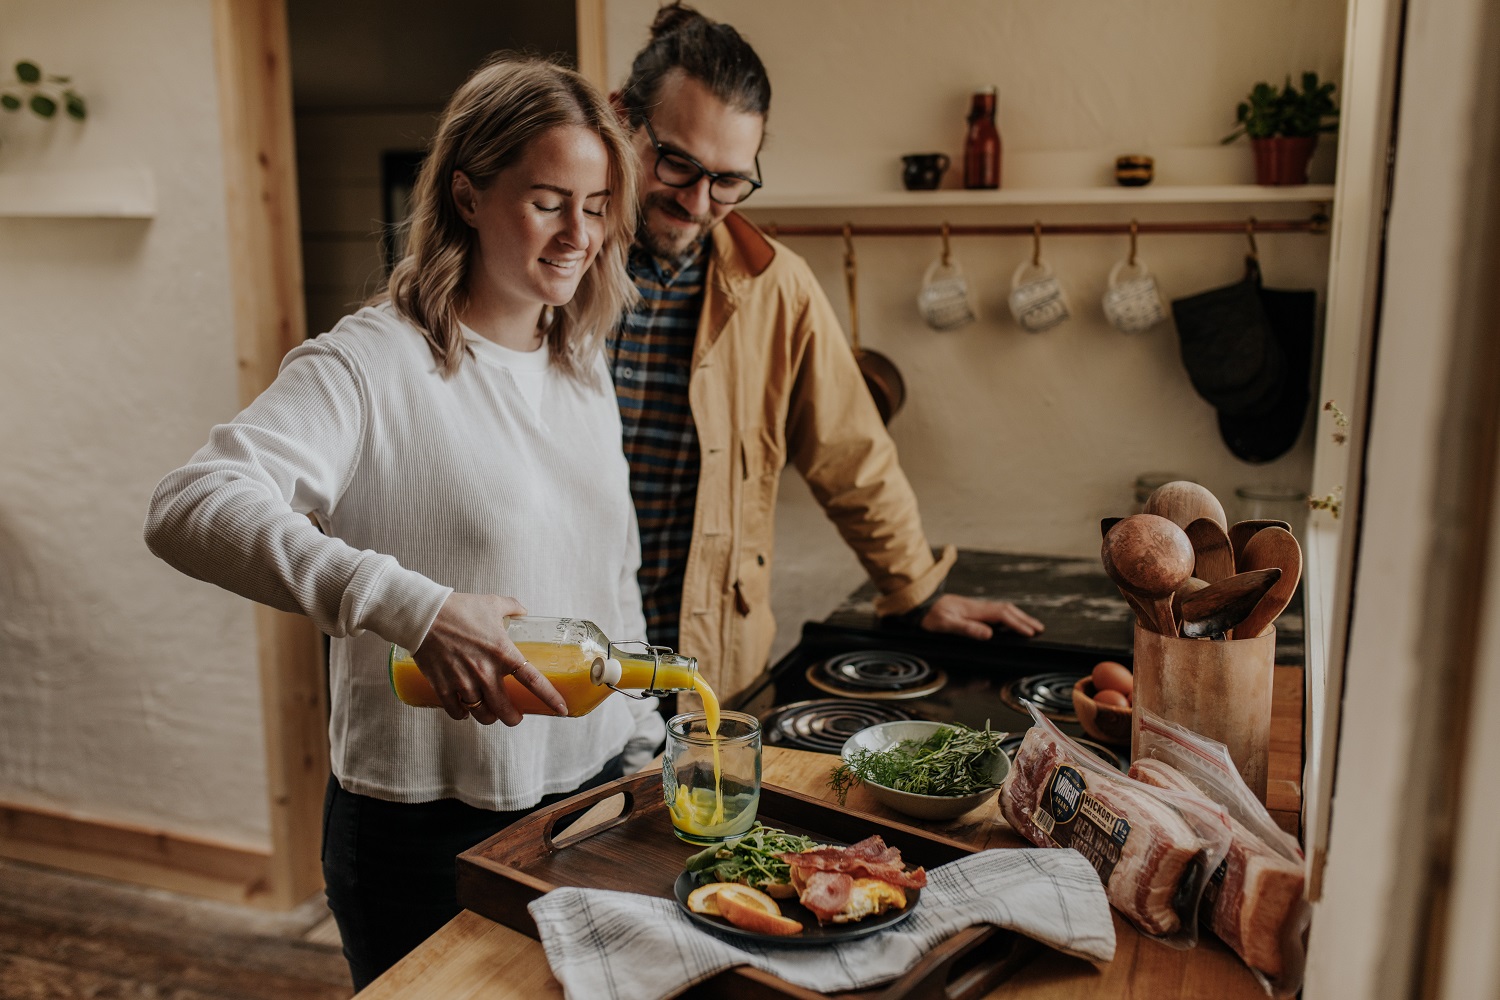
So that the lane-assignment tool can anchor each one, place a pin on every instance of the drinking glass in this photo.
(704, 810)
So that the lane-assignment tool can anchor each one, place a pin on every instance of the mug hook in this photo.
(946, 253)
(1036, 243)
(1134, 229)
(1250, 235)
(848, 243)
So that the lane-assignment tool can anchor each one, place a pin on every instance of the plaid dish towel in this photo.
(624, 946)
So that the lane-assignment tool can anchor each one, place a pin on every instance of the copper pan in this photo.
(882, 378)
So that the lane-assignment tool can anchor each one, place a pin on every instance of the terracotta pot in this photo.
(1283, 160)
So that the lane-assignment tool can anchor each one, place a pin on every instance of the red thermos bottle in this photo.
(982, 146)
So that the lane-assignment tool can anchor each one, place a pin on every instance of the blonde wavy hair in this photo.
(487, 126)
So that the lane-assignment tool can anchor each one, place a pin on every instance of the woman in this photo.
(455, 441)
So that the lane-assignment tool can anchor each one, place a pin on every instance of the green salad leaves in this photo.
(954, 760)
(751, 859)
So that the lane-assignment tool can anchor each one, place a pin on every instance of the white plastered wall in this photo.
(131, 691)
(1013, 441)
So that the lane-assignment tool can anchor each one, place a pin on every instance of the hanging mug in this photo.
(1036, 297)
(1133, 304)
(944, 300)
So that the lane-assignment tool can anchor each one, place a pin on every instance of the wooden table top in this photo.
(473, 957)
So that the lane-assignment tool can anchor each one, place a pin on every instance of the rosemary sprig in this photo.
(954, 760)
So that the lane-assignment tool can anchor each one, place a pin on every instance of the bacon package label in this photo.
(1071, 816)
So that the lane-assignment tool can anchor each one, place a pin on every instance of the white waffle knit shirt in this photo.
(507, 478)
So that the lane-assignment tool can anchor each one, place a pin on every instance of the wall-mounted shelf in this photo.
(117, 193)
(1227, 194)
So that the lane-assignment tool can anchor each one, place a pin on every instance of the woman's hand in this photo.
(467, 652)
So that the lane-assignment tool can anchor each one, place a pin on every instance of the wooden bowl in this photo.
(1103, 722)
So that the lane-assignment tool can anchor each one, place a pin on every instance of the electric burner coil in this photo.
(876, 675)
(823, 725)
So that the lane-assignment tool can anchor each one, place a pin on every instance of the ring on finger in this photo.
(472, 704)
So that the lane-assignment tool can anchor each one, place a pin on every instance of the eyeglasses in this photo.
(679, 170)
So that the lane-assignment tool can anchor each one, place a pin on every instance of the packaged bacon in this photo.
(1254, 900)
(1154, 849)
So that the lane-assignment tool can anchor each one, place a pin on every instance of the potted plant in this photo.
(1284, 125)
(41, 94)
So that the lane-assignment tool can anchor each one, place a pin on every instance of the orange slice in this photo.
(738, 911)
(706, 899)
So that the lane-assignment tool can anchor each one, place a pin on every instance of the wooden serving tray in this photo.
(636, 851)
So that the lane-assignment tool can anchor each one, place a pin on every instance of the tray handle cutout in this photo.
(593, 814)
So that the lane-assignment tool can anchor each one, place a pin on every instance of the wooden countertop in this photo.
(473, 957)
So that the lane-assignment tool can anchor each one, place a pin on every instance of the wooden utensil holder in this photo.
(1221, 690)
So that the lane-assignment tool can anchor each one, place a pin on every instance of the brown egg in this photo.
(1112, 698)
(1111, 676)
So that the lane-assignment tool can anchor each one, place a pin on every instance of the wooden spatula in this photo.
(1213, 558)
(1241, 531)
(1271, 547)
(1221, 607)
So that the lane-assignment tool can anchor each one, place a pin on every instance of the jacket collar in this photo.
(740, 248)
(740, 254)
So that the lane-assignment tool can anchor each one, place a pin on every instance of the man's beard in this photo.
(669, 245)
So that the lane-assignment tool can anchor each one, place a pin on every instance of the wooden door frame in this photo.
(1410, 905)
(265, 255)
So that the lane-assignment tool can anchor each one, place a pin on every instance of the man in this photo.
(734, 364)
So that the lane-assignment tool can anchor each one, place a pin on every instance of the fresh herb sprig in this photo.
(751, 859)
(954, 760)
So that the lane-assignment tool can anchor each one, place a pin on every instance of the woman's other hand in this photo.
(467, 652)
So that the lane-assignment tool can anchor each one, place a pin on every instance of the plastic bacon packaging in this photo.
(1254, 900)
(1154, 849)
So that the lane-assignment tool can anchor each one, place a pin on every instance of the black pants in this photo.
(390, 867)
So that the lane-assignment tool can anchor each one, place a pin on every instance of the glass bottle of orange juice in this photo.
(576, 656)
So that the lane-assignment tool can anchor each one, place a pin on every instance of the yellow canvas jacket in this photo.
(774, 380)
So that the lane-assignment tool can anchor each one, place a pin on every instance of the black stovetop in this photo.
(1087, 621)
(1082, 609)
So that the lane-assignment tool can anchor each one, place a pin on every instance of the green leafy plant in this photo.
(41, 93)
(1289, 112)
(955, 760)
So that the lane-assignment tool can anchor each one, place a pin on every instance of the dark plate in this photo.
(813, 933)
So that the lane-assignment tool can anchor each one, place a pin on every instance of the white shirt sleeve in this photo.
(236, 514)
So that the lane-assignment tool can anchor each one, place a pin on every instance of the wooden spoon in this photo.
(1143, 612)
(1222, 606)
(1213, 558)
(1269, 547)
(1241, 531)
(1181, 502)
(1185, 591)
(1150, 557)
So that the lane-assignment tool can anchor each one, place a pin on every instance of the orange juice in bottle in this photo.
(575, 656)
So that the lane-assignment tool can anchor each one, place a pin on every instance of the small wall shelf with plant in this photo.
(1284, 125)
(99, 192)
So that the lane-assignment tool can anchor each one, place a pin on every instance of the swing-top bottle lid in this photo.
(606, 672)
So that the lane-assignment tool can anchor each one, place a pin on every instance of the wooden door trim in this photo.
(593, 53)
(255, 96)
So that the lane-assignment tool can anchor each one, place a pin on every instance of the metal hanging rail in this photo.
(1317, 223)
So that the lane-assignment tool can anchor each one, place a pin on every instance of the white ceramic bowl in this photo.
(885, 736)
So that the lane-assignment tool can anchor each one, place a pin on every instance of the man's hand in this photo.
(974, 616)
(466, 654)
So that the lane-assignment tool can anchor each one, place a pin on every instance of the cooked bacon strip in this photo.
(826, 893)
(870, 858)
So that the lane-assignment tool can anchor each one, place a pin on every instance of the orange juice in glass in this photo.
(711, 781)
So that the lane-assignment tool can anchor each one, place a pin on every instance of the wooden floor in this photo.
(66, 936)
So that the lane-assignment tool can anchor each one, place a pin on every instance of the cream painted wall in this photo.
(1017, 441)
(131, 692)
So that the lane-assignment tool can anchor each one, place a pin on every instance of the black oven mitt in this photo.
(1228, 348)
(1248, 352)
